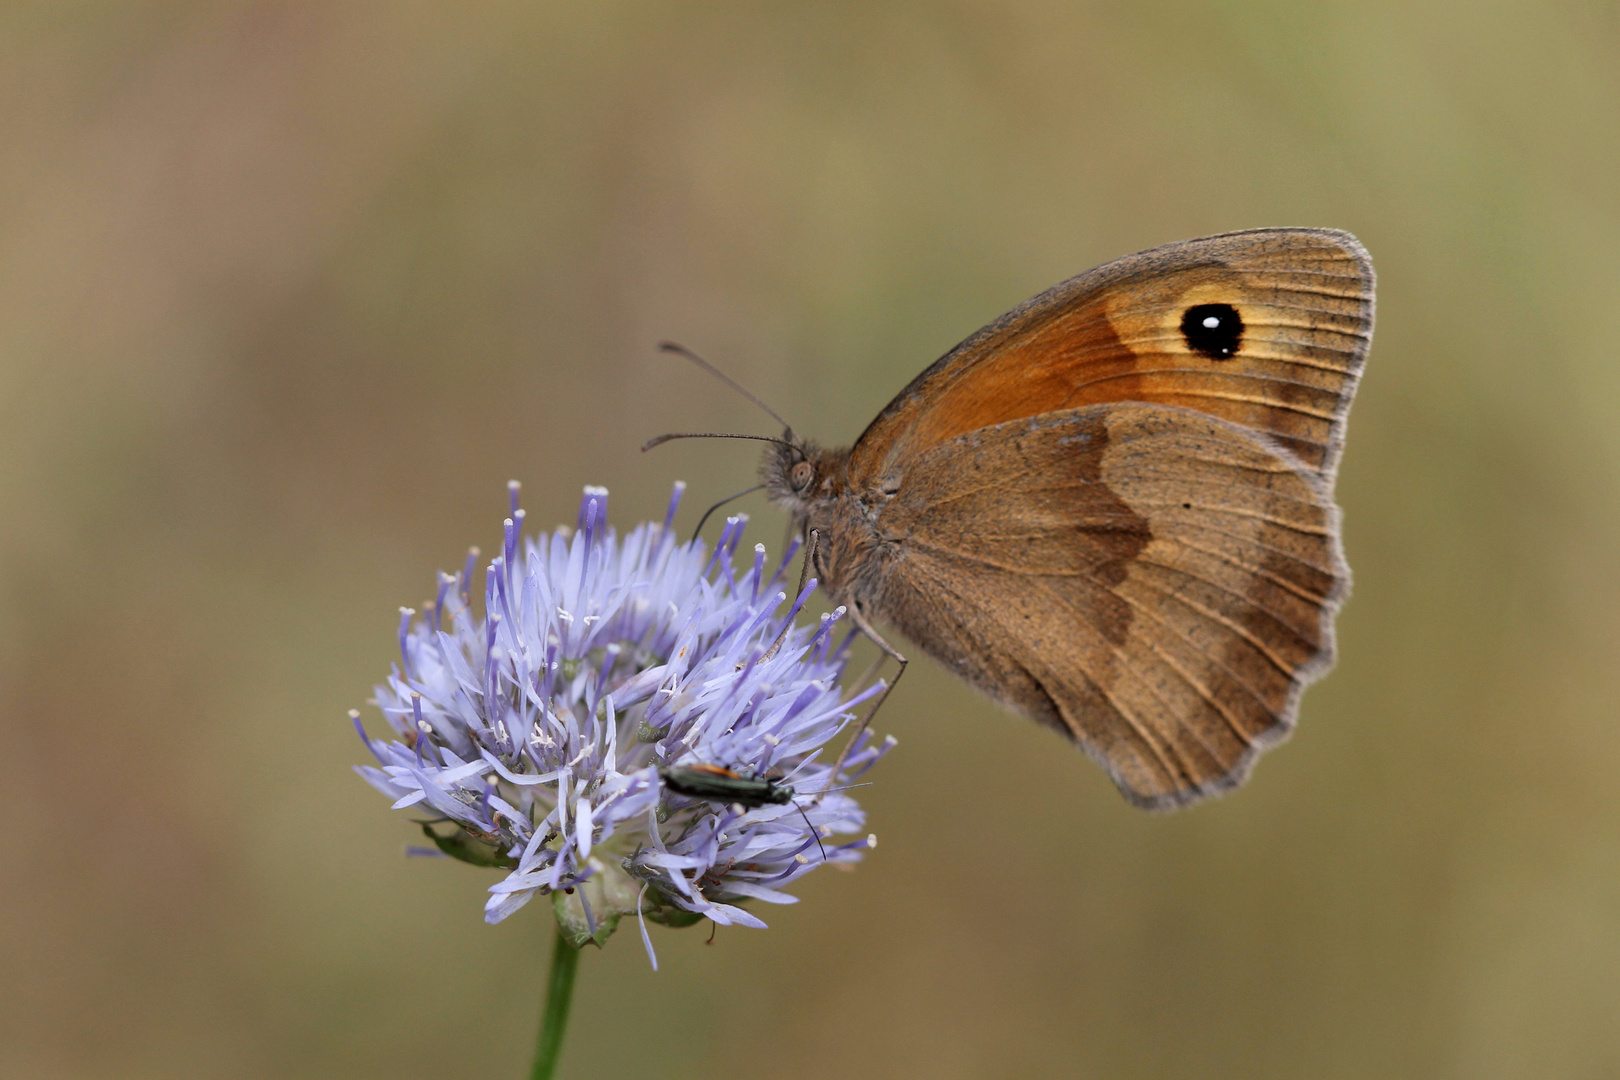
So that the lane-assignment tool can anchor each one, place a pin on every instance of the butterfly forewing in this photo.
(1267, 329)
(1157, 583)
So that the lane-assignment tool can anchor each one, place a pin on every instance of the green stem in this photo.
(554, 1022)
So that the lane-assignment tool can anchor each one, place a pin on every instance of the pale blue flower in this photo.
(531, 725)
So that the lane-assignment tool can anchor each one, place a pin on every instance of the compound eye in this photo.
(801, 475)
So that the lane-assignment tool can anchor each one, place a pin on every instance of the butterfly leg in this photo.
(697, 532)
(866, 722)
(871, 671)
(804, 573)
(787, 538)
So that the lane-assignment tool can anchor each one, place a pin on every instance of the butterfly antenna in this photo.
(729, 498)
(662, 439)
(682, 350)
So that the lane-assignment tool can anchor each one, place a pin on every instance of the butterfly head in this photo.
(798, 474)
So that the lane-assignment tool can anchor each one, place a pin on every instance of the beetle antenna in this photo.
(682, 350)
(829, 790)
(813, 830)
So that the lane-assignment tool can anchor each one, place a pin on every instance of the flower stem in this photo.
(554, 1022)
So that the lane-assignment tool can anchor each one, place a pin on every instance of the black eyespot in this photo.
(1213, 330)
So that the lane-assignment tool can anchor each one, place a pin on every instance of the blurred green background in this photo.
(289, 291)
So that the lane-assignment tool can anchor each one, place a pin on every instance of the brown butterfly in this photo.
(1112, 508)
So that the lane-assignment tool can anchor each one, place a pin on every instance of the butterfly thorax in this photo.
(813, 484)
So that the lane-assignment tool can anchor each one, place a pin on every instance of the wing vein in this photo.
(1278, 662)
(1171, 771)
(1202, 691)
(1259, 572)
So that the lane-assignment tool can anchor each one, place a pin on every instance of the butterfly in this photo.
(1112, 508)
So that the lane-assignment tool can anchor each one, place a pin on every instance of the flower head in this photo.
(557, 734)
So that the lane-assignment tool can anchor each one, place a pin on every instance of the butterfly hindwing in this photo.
(1156, 582)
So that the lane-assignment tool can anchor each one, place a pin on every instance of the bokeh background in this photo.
(289, 291)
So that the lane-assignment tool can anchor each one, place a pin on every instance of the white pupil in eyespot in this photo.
(1211, 322)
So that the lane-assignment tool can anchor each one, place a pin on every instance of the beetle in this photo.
(716, 783)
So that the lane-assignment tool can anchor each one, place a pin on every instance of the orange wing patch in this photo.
(1118, 333)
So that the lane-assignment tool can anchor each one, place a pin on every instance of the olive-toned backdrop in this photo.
(289, 291)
